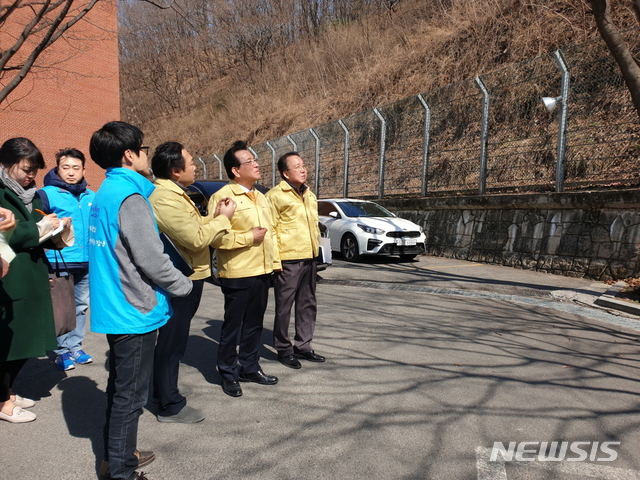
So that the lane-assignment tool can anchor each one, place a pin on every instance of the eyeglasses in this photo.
(249, 162)
(299, 168)
(145, 148)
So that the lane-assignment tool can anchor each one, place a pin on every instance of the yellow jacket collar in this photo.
(286, 187)
(170, 185)
(238, 189)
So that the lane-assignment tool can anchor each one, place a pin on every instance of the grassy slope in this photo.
(351, 68)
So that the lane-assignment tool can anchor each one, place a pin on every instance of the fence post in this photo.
(383, 146)
(425, 145)
(317, 139)
(219, 165)
(484, 136)
(345, 183)
(293, 143)
(563, 120)
(273, 163)
(204, 168)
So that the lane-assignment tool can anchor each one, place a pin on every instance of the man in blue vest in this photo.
(66, 194)
(130, 297)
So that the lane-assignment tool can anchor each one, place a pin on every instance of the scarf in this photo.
(25, 194)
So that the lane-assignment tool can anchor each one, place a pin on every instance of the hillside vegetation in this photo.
(210, 72)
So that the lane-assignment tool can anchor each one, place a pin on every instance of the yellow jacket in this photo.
(179, 218)
(238, 257)
(295, 220)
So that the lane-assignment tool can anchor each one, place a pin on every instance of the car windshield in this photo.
(363, 209)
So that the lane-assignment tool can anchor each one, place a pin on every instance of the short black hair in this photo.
(69, 152)
(282, 162)
(19, 148)
(167, 157)
(108, 144)
(230, 160)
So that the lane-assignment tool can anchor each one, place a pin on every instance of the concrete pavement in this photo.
(429, 363)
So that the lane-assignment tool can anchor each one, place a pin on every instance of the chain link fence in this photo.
(488, 135)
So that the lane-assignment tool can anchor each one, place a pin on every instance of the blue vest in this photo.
(110, 311)
(65, 204)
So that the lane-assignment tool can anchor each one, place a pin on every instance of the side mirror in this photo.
(335, 215)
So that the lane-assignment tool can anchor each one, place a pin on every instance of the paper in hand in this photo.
(5, 250)
(52, 233)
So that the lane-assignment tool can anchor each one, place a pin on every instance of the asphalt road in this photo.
(429, 363)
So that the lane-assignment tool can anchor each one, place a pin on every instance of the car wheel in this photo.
(215, 279)
(407, 258)
(349, 248)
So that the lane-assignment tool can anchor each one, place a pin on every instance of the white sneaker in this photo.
(18, 416)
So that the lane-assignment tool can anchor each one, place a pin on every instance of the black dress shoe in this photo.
(258, 377)
(232, 389)
(311, 356)
(289, 361)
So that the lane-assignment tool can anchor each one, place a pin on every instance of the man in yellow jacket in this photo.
(247, 256)
(179, 218)
(294, 209)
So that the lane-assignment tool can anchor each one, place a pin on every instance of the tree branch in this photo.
(163, 7)
(636, 9)
(618, 48)
(26, 31)
(55, 30)
(9, 10)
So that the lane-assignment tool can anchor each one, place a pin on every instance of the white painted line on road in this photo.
(496, 470)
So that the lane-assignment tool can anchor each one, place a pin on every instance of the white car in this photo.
(359, 227)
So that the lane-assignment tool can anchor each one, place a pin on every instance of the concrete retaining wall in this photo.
(586, 234)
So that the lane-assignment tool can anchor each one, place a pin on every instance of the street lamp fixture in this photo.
(550, 103)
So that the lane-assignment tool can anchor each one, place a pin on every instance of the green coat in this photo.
(26, 315)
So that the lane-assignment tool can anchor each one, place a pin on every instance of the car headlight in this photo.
(367, 229)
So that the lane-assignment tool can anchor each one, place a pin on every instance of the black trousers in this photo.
(170, 347)
(8, 373)
(245, 301)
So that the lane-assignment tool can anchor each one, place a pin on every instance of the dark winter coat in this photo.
(26, 314)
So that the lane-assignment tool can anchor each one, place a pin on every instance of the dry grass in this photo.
(631, 292)
(368, 63)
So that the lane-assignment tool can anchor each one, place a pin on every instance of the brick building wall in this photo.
(72, 92)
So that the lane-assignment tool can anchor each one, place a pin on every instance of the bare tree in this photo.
(170, 60)
(29, 27)
(38, 25)
(601, 10)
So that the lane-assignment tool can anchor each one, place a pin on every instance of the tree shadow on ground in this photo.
(374, 267)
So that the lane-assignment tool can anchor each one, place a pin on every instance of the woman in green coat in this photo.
(26, 315)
